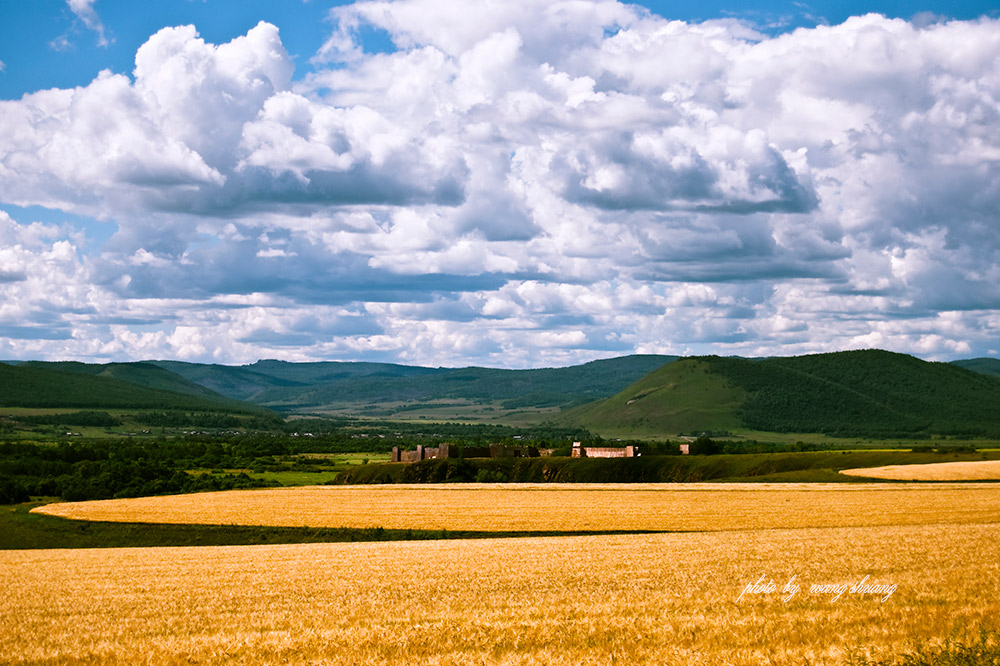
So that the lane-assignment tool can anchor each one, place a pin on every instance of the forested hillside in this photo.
(984, 366)
(38, 385)
(860, 392)
(863, 393)
(312, 385)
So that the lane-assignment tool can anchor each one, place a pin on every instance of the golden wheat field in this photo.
(610, 599)
(562, 507)
(894, 565)
(976, 470)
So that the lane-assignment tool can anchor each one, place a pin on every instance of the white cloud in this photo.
(202, 94)
(526, 183)
(84, 10)
(213, 130)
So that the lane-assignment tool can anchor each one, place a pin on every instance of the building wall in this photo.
(604, 451)
(451, 451)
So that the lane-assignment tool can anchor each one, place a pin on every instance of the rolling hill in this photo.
(109, 386)
(680, 397)
(984, 366)
(146, 375)
(249, 382)
(869, 393)
(352, 386)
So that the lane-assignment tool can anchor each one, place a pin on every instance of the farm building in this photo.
(506, 451)
(580, 451)
(452, 451)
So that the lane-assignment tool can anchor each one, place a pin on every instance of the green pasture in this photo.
(323, 468)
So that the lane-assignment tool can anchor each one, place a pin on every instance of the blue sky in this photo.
(514, 184)
(46, 45)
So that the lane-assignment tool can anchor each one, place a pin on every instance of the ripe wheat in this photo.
(565, 508)
(630, 599)
(976, 470)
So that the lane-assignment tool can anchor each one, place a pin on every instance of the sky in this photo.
(525, 183)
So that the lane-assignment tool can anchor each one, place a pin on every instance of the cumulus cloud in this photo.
(43, 283)
(212, 130)
(657, 171)
(527, 183)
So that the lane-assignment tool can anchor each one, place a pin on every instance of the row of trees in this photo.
(121, 468)
(84, 469)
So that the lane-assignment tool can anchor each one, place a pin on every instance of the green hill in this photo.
(680, 397)
(863, 393)
(111, 386)
(143, 374)
(249, 382)
(303, 386)
(985, 366)
(860, 393)
(349, 387)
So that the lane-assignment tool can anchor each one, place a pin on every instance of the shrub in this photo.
(490, 476)
(12, 492)
(703, 446)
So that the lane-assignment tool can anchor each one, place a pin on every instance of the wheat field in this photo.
(893, 565)
(611, 599)
(976, 470)
(562, 507)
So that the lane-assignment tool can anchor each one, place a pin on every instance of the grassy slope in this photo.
(679, 397)
(870, 392)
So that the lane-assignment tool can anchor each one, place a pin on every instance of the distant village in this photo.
(511, 451)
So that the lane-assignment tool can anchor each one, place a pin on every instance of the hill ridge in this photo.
(381, 383)
(857, 392)
(37, 384)
(871, 392)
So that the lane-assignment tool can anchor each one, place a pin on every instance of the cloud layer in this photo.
(534, 183)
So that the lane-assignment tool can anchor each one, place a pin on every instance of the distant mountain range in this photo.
(859, 392)
(371, 389)
(318, 386)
